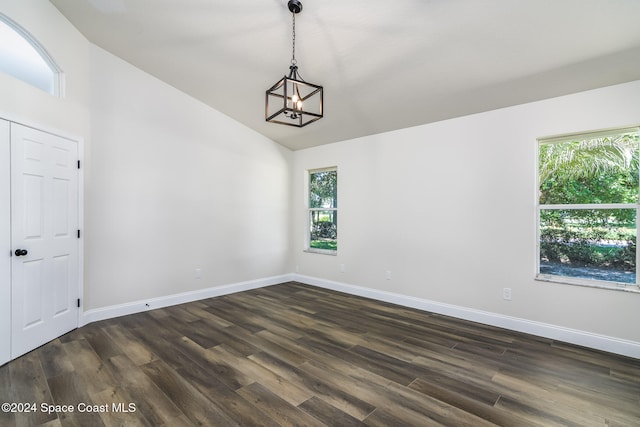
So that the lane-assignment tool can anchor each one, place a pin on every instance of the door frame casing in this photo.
(5, 228)
(5, 238)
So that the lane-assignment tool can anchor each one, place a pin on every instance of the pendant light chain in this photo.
(293, 39)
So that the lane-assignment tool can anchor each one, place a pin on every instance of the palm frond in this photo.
(589, 157)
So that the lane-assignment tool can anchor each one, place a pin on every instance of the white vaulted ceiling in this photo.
(384, 65)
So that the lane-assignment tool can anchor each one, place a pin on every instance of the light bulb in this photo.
(299, 104)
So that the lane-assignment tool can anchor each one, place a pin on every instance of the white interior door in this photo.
(44, 235)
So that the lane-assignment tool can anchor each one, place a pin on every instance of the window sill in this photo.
(321, 252)
(624, 287)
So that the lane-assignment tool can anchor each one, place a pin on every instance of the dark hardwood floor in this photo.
(296, 355)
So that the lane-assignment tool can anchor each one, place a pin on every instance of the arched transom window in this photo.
(22, 57)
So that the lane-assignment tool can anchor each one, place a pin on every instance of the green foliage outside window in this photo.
(323, 215)
(590, 171)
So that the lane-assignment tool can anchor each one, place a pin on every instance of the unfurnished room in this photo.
(319, 213)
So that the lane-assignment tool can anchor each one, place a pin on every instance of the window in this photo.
(588, 208)
(22, 57)
(322, 214)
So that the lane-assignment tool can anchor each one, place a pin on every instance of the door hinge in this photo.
(78, 234)
(78, 164)
(78, 302)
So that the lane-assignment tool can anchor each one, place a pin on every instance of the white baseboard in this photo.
(169, 300)
(573, 336)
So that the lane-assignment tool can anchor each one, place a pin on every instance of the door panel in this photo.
(60, 208)
(44, 206)
(32, 213)
(60, 280)
(31, 309)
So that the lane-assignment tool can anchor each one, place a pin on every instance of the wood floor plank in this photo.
(148, 398)
(357, 377)
(130, 345)
(53, 360)
(433, 408)
(289, 343)
(227, 337)
(29, 386)
(7, 418)
(53, 423)
(337, 397)
(197, 308)
(374, 390)
(602, 405)
(390, 372)
(389, 363)
(230, 311)
(472, 400)
(382, 418)
(233, 404)
(293, 354)
(364, 389)
(267, 346)
(194, 405)
(116, 407)
(336, 336)
(533, 412)
(88, 366)
(164, 348)
(227, 373)
(328, 414)
(286, 414)
(181, 314)
(102, 343)
(448, 361)
(278, 385)
(587, 408)
(439, 386)
(198, 331)
(68, 391)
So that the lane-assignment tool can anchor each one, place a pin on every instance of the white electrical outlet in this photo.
(198, 273)
(388, 274)
(342, 268)
(506, 294)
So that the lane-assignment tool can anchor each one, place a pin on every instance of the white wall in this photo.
(449, 209)
(177, 186)
(170, 185)
(23, 103)
(69, 112)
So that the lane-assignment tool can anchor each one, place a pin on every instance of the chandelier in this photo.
(293, 101)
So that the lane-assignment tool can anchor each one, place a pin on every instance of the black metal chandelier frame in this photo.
(292, 101)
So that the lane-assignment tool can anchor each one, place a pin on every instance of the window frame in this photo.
(593, 283)
(57, 76)
(309, 209)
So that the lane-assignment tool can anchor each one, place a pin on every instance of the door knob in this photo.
(21, 252)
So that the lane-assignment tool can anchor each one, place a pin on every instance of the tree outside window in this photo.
(323, 210)
(588, 207)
